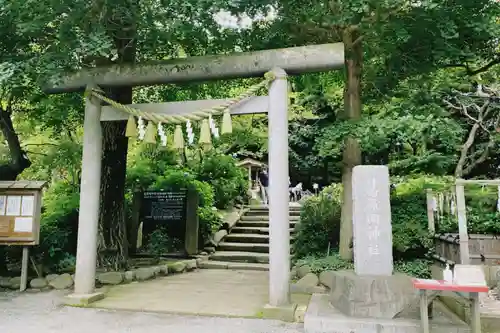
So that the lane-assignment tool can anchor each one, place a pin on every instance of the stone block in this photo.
(129, 276)
(372, 296)
(284, 313)
(144, 273)
(63, 281)
(305, 285)
(164, 270)
(219, 235)
(191, 264)
(156, 270)
(51, 277)
(38, 283)
(15, 283)
(200, 260)
(303, 271)
(177, 267)
(112, 278)
(326, 278)
(83, 300)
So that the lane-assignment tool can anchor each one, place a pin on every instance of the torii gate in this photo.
(295, 60)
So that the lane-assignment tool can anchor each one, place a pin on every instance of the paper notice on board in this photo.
(27, 205)
(3, 203)
(23, 224)
(13, 205)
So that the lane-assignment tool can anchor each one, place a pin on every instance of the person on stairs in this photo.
(264, 181)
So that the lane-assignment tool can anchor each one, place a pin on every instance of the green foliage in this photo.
(481, 211)
(418, 268)
(319, 264)
(160, 243)
(228, 181)
(59, 226)
(410, 235)
(320, 219)
(319, 225)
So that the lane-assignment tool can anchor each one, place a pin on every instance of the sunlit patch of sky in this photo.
(228, 21)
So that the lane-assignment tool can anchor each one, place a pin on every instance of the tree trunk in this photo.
(18, 159)
(112, 240)
(352, 150)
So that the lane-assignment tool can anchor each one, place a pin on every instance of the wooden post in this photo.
(250, 178)
(475, 322)
(192, 223)
(430, 213)
(424, 311)
(135, 221)
(24, 269)
(462, 225)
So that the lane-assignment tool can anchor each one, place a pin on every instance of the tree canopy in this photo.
(409, 98)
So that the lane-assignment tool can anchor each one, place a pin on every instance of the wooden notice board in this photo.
(20, 210)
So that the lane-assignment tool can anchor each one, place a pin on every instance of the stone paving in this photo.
(213, 292)
(43, 313)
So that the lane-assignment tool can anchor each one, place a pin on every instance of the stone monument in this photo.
(370, 299)
(372, 290)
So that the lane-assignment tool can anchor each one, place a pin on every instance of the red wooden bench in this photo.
(436, 287)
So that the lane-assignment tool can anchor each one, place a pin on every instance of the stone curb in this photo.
(66, 281)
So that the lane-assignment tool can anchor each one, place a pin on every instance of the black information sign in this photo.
(164, 206)
(165, 210)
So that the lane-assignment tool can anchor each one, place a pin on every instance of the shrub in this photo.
(332, 262)
(160, 243)
(319, 225)
(228, 180)
(59, 227)
(410, 235)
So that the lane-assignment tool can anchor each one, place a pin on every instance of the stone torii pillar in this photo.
(279, 234)
(88, 218)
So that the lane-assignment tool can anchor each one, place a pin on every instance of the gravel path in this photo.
(42, 313)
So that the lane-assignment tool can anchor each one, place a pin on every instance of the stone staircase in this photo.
(247, 244)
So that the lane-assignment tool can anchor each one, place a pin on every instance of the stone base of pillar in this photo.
(83, 300)
(322, 317)
(384, 297)
(284, 312)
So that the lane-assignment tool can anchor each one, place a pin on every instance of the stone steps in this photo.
(266, 218)
(247, 245)
(244, 247)
(266, 213)
(254, 230)
(239, 256)
(260, 224)
(243, 266)
(248, 238)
